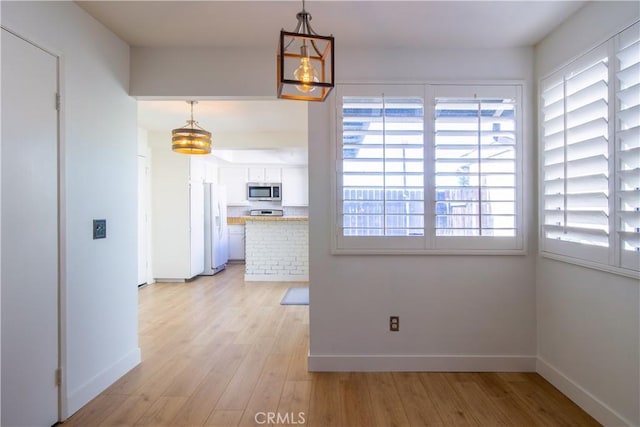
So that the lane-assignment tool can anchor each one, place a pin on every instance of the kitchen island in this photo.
(276, 248)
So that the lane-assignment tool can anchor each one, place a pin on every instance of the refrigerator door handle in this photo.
(219, 222)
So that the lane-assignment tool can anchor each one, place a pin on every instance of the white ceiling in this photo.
(442, 24)
(225, 116)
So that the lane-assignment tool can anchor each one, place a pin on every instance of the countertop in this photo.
(239, 220)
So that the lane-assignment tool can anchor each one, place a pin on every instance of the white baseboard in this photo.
(96, 385)
(591, 404)
(275, 278)
(373, 363)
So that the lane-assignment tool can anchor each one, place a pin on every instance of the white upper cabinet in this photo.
(272, 175)
(235, 180)
(262, 174)
(295, 186)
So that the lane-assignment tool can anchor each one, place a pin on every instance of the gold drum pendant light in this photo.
(305, 62)
(192, 138)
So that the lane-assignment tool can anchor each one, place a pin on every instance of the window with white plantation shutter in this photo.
(382, 164)
(475, 167)
(406, 183)
(627, 110)
(590, 157)
(575, 142)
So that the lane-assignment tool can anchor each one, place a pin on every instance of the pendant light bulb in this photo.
(305, 72)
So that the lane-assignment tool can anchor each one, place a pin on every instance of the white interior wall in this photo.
(456, 312)
(588, 320)
(234, 73)
(99, 174)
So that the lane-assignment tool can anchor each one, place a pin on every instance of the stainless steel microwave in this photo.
(257, 191)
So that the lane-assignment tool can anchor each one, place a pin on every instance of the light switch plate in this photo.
(99, 229)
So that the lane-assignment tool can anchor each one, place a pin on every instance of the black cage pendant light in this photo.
(305, 62)
(192, 138)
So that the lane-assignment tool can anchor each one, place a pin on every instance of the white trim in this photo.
(587, 401)
(590, 264)
(429, 156)
(334, 176)
(598, 255)
(389, 251)
(420, 363)
(612, 111)
(433, 82)
(96, 385)
(31, 40)
(62, 238)
(276, 278)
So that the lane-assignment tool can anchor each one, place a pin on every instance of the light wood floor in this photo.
(217, 351)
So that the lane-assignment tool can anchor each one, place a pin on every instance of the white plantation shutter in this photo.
(575, 158)
(627, 110)
(590, 157)
(382, 168)
(475, 167)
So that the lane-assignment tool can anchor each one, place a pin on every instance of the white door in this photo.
(29, 227)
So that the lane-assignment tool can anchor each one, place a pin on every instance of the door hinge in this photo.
(58, 101)
(58, 377)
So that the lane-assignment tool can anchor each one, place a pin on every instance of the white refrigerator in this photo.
(216, 237)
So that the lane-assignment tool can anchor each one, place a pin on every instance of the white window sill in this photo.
(435, 252)
(593, 265)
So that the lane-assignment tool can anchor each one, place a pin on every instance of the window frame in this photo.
(610, 259)
(429, 244)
